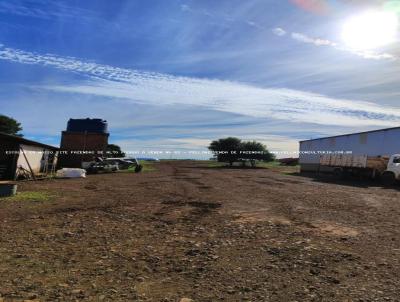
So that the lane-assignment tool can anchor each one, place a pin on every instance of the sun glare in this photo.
(370, 30)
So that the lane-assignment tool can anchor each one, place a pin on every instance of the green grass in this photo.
(30, 196)
(147, 167)
(273, 165)
(214, 164)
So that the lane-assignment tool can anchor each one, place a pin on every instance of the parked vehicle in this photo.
(290, 161)
(148, 159)
(387, 168)
(101, 166)
(125, 163)
(373, 153)
(122, 163)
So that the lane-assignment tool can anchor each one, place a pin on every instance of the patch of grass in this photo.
(148, 166)
(31, 196)
(273, 165)
(277, 167)
(269, 165)
(214, 164)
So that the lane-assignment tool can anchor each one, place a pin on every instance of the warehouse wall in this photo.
(377, 143)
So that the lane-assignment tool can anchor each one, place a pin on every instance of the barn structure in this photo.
(375, 143)
(23, 158)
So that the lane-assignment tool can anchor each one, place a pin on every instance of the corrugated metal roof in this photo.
(25, 141)
(356, 133)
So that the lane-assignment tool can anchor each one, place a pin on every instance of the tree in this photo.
(9, 125)
(255, 151)
(114, 151)
(226, 149)
(232, 149)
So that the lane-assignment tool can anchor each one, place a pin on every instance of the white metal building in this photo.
(384, 142)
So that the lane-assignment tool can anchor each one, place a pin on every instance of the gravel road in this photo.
(190, 232)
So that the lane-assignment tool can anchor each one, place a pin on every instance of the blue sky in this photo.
(173, 75)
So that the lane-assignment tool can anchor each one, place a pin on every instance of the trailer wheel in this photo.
(388, 178)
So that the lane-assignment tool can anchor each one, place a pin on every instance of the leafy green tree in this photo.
(226, 149)
(255, 151)
(114, 151)
(232, 149)
(9, 125)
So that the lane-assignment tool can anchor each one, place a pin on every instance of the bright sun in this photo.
(370, 30)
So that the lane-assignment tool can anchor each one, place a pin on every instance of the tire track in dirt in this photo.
(184, 201)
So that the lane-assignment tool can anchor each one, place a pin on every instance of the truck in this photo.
(383, 167)
(374, 154)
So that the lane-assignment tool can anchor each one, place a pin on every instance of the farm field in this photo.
(198, 231)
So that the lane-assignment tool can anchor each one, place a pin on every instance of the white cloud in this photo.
(366, 54)
(192, 142)
(163, 89)
(185, 8)
(369, 54)
(318, 42)
(303, 38)
(279, 31)
(251, 23)
(284, 104)
(53, 9)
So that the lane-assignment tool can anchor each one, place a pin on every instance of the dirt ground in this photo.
(207, 234)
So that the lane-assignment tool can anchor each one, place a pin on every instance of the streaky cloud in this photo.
(227, 96)
(279, 31)
(318, 42)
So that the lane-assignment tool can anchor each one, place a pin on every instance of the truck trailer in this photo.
(374, 154)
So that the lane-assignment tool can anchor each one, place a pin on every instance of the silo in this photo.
(83, 140)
